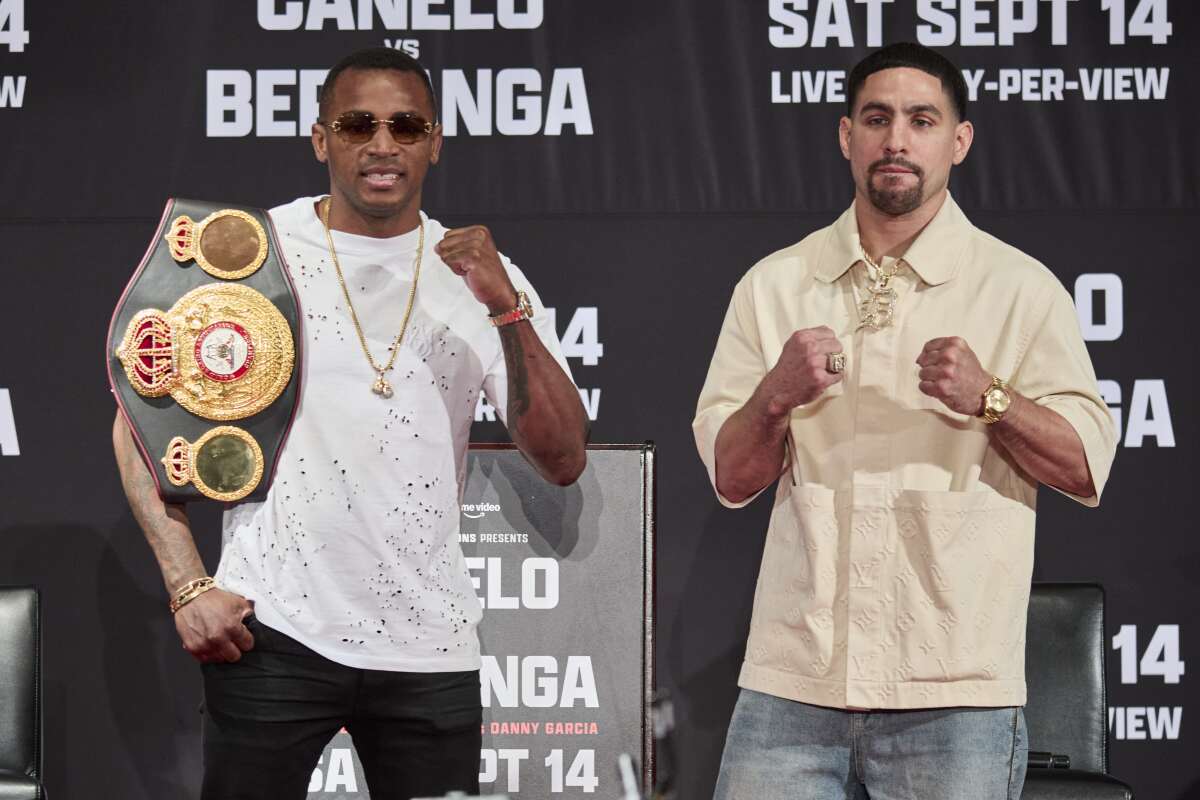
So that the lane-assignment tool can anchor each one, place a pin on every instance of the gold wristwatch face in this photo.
(524, 304)
(997, 400)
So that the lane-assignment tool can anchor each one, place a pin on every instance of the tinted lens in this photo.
(408, 128)
(356, 126)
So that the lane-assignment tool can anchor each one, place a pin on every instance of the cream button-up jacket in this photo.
(899, 556)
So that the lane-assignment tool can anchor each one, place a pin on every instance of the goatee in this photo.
(895, 201)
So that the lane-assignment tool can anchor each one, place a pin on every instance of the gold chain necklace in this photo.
(878, 307)
(381, 386)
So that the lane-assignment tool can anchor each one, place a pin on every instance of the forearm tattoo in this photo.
(518, 373)
(165, 525)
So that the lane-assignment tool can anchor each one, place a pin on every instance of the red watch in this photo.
(523, 311)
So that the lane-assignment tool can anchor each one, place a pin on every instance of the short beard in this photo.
(896, 202)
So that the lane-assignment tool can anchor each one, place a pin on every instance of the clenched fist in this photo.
(471, 253)
(800, 376)
(211, 628)
(951, 372)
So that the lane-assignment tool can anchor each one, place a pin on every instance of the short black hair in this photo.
(914, 56)
(374, 58)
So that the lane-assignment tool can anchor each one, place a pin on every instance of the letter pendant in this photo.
(879, 306)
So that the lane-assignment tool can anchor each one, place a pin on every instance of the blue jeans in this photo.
(779, 749)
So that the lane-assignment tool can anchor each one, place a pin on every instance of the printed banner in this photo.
(562, 574)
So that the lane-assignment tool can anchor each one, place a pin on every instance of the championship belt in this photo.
(204, 353)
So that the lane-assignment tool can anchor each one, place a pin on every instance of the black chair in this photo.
(20, 694)
(1066, 711)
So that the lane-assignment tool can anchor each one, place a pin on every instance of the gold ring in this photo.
(835, 362)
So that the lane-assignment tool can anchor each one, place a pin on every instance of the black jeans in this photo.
(269, 716)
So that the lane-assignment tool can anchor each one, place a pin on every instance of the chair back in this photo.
(20, 681)
(1066, 710)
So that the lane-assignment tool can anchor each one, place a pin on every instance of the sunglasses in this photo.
(358, 127)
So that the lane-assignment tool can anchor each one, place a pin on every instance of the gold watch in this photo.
(524, 310)
(996, 400)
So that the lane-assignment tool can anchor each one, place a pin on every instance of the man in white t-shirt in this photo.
(343, 598)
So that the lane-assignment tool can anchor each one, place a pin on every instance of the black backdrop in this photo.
(635, 159)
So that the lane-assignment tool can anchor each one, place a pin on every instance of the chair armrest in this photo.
(1073, 784)
(15, 786)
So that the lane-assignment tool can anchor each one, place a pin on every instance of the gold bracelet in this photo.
(190, 591)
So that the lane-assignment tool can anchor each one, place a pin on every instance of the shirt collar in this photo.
(934, 255)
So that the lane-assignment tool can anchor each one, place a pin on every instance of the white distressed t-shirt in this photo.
(355, 550)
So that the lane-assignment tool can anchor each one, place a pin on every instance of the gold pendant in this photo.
(878, 308)
(382, 388)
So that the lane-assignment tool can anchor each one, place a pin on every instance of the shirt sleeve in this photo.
(495, 380)
(736, 369)
(1056, 373)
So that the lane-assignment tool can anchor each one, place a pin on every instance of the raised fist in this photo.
(802, 373)
(471, 253)
(950, 372)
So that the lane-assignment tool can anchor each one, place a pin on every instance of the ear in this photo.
(320, 143)
(964, 134)
(844, 128)
(435, 144)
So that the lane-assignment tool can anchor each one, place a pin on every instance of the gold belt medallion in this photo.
(225, 463)
(227, 244)
(223, 352)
